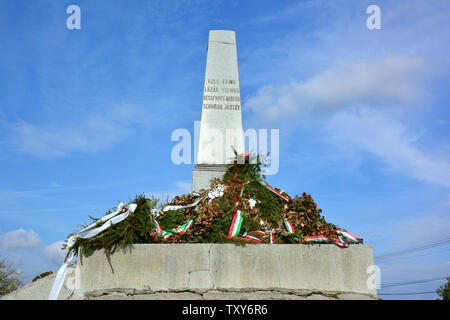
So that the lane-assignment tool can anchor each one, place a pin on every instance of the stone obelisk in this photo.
(221, 123)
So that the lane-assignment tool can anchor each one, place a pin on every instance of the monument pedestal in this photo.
(217, 271)
(204, 173)
(228, 271)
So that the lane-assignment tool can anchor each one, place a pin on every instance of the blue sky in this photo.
(86, 115)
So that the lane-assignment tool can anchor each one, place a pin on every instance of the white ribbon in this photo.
(109, 220)
(88, 233)
(168, 208)
(216, 193)
(60, 276)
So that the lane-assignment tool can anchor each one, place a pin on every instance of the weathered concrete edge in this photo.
(215, 294)
(200, 271)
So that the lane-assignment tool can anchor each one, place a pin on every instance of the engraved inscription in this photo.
(221, 94)
(211, 89)
(229, 90)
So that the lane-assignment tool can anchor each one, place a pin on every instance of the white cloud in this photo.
(20, 238)
(95, 132)
(388, 80)
(353, 104)
(54, 253)
(379, 134)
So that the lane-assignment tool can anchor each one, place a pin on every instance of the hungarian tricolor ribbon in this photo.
(257, 231)
(322, 239)
(180, 229)
(271, 237)
(242, 190)
(288, 225)
(279, 193)
(158, 231)
(165, 234)
(236, 224)
(318, 239)
(349, 237)
(250, 237)
(341, 242)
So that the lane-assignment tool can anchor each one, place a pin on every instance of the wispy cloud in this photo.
(20, 238)
(97, 131)
(390, 141)
(388, 80)
(352, 105)
(54, 253)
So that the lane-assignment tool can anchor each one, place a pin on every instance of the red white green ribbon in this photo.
(271, 237)
(160, 232)
(318, 239)
(289, 226)
(236, 224)
(165, 234)
(157, 231)
(182, 229)
(341, 242)
(242, 190)
(247, 236)
(349, 237)
(322, 239)
(265, 184)
(257, 231)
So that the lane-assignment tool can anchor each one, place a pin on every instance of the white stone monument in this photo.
(221, 124)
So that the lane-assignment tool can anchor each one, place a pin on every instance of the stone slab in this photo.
(216, 271)
(203, 174)
(228, 267)
(145, 266)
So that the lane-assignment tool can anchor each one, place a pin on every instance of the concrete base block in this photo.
(203, 174)
(229, 267)
(216, 271)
